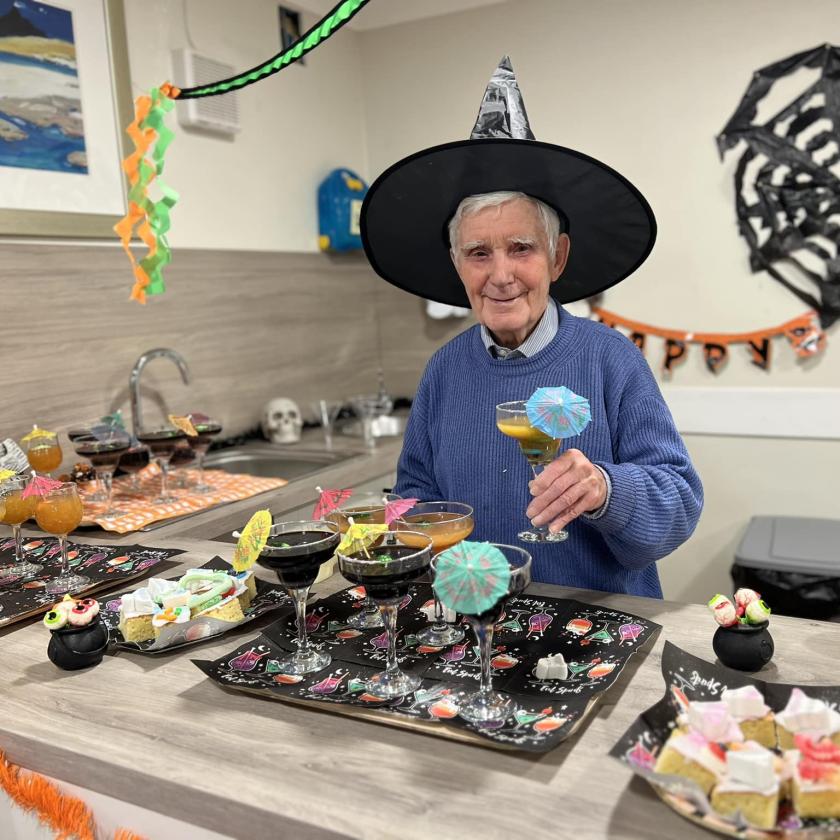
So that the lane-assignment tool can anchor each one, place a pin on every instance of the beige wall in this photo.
(644, 86)
(257, 191)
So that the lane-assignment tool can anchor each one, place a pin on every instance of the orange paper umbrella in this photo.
(394, 510)
(329, 500)
(252, 541)
(39, 485)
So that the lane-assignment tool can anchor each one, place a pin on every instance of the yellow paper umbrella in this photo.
(185, 424)
(252, 540)
(361, 536)
(37, 432)
(4, 474)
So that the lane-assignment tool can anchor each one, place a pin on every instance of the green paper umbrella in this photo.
(471, 577)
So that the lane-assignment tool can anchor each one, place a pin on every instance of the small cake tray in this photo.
(547, 712)
(199, 629)
(106, 566)
(689, 678)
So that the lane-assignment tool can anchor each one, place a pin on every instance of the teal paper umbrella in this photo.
(471, 577)
(558, 412)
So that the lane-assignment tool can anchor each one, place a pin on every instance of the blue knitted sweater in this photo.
(453, 451)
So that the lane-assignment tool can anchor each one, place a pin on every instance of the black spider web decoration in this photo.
(787, 180)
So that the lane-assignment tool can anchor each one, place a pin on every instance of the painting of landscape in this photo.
(41, 123)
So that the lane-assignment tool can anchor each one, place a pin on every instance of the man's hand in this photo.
(569, 486)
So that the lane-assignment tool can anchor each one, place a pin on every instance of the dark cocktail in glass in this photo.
(162, 443)
(486, 705)
(104, 452)
(364, 509)
(387, 571)
(207, 429)
(295, 551)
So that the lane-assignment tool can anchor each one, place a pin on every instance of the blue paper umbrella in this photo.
(558, 412)
(471, 577)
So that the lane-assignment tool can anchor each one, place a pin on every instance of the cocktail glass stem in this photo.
(18, 543)
(299, 596)
(65, 562)
(440, 625)
(388, 610)
(67, 581)
(484, 635)
(540, 533)
(163, 463)
(106, 477)
(368, 616)
(200, 453)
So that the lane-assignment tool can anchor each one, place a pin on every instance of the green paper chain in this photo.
(322, 30)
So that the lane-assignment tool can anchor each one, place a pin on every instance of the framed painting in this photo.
(65, 100)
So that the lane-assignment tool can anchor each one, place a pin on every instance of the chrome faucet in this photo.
(134, 380)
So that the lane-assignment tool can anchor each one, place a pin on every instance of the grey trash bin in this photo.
(794, 562)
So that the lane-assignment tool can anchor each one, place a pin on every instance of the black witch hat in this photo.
(407, 209)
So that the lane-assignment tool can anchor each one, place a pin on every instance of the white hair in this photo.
(475, 203)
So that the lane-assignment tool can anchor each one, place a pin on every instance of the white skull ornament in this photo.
(281, 421)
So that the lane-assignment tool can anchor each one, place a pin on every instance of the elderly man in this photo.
(627, 491)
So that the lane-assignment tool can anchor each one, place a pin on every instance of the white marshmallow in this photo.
(752, 766)
(745, 703)
(552, 667)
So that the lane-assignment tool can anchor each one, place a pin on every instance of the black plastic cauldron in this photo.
(72, 648)
(744, 647)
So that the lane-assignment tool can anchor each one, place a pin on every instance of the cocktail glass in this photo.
(207, 430)
(364, 509)
(295, 551)
(447, 523)
(44, 453)
(486, 705)
(104, 451)
(17, 510)
(538, 448)
(162, 443)
(58, 512)
(182, 458)
(133, 461)
(386, 571)
(326, 411)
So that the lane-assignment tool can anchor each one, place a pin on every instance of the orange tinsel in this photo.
(66, 815)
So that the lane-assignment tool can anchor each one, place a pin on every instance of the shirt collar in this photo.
(539, 339)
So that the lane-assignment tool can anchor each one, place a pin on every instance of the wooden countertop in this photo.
(154, 731)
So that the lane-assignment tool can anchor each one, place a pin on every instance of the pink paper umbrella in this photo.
(329, 500)
(394, 510)
(39, 485)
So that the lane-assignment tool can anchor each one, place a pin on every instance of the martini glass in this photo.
(58, 512)
(447, 523)
(162, 443)
(486, 705)
(17, 510)
(295, 551)
(364, 509)
(104, 452)
(133, 461)
(387, 571)
(538, 448)
(207, 430)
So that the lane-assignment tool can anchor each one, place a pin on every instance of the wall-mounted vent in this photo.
(216, 114)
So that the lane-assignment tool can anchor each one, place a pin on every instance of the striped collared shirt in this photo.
(540, 338)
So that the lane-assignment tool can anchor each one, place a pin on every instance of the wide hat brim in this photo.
(406, 212)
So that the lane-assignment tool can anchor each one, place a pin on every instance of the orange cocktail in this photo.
(58, 512)
(536, 445)
(445, 528)
(14, 510)
(539, 450)
(446, 524)
(45, 457)
(18, 509)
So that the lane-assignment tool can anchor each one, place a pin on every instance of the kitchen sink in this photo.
(268, 461)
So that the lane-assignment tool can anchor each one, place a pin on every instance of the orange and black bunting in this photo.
(760, 352)
(674, 354)
(714, 355)
(803, 332)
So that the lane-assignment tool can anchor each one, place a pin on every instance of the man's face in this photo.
(503, 261)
